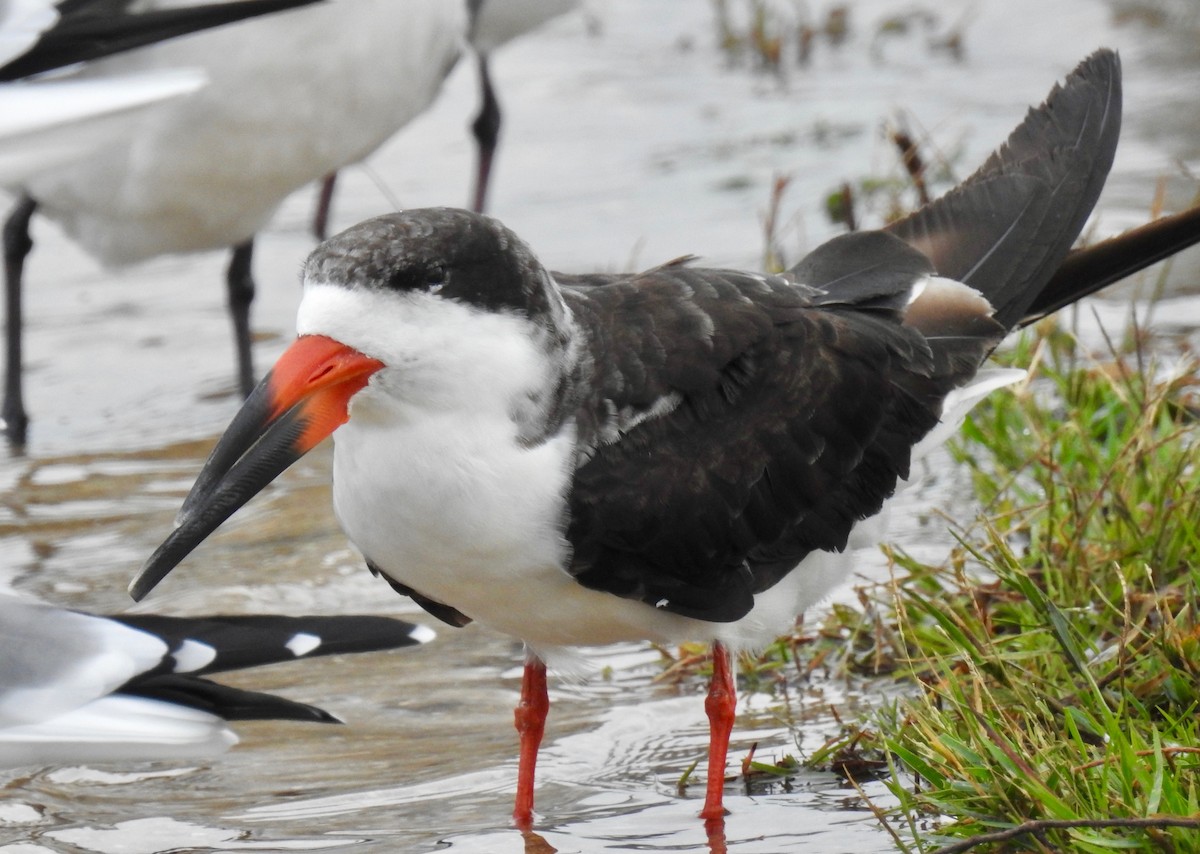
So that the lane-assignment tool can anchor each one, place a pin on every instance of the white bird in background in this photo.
(47, 122)
(81, 688)
(288, 100)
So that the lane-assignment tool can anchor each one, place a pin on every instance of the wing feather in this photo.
(798, 410)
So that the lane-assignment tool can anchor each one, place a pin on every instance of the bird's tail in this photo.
(1091, 268)
(1007, 229)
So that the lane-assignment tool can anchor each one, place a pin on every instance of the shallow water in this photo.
(629, 140)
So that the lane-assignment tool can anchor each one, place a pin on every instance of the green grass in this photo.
(1058, 649)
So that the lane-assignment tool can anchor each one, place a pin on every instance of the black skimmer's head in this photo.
(454, 255)
(681, 453)
(445, 299)
(439, 309)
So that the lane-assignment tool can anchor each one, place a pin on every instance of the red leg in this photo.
(530, 718)
(720, 705)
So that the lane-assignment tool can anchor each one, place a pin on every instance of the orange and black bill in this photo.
(304, 398)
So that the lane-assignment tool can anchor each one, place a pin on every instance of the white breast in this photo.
(449, 503)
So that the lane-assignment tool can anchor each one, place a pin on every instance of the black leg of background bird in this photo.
(486, 128)
(17, 244)
(320, 224)
(239, 282)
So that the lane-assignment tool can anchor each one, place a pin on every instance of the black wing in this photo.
(743, 423)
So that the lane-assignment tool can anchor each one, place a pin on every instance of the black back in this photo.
(794, 411)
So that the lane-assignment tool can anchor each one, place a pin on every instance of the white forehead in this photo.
(421, 332)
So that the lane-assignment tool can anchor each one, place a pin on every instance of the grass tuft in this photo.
(1058, 649)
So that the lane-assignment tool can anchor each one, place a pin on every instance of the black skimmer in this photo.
(76, 687)
(209, 170)
(683, 453)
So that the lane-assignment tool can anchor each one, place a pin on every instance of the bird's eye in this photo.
(414, 277)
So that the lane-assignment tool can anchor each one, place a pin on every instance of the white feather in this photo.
(47, 124)
(193, 655)
(53, 661)
(116, 728)
(291, 97)
(303, 643)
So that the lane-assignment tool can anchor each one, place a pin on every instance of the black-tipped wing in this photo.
(1008, 227)
(231, 704)
(91, 29)
(740, 422)
(56, 661)
(200, 645)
